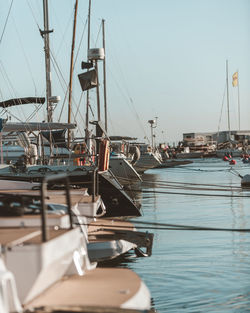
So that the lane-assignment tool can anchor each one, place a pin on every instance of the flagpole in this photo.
(228, 117)
(238, 98)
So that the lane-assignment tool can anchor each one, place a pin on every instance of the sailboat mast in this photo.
(228, 116)
(87, 96)
(45, 35)
(104, 76)
(72, 67)
(238, 85)
(98, 93)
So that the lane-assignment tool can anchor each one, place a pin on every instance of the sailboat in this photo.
(149, 155)
(231, 145)
(45, 266)
(117, 201)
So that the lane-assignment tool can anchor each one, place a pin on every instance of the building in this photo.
(209, 138)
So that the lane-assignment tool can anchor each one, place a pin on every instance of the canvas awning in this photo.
(19, 127)
(19, 101)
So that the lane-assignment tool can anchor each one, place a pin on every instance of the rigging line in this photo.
(177, 186)
(32, 13)
(98, 34)
(61, 80)
(193, 188)
(182, 183)
(191, 227)
(78, 107)
(78, 112)
(6, 21)
(162, 226)
(223, 98)
(186, 193)
(5, 76)
(129, 100)
(25, 56)
(35, 112)
(67, 28)
(200, 170)
(65, 97)
(76, 57)
(64, 101)
(84, 29)
(57, 68)
(17, 118)
(58, 71)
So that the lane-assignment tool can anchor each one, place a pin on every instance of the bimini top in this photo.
(19, 101)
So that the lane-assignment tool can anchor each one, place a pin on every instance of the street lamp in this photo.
(153, 124)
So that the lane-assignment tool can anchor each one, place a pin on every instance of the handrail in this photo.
(46, 179)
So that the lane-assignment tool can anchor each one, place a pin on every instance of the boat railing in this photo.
(48, 179)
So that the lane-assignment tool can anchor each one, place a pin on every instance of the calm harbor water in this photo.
(197, 271)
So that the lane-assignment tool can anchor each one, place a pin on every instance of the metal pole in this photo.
(44, 211)
(45, 34)
(72, 68)
(69, 202)
(98, 93)
(104, 77)
(87, 96)
(238, 83)
(228, 116)
(152, 136)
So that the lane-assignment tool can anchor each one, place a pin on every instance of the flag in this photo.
(235, 79)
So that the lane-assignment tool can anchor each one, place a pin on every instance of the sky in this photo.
(164, 59)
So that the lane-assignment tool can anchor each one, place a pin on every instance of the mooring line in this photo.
(164, 226)
(186, 187)
(188, 194)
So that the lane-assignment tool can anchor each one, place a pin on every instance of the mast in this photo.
(87, 96)
(238, 85)
(104, 77)
(45, 34)
(98, 93)
(72, 68)
(228, 116)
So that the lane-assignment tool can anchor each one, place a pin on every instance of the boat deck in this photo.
(55, 196)
(12, 236)
(107, 287)
(102, 227)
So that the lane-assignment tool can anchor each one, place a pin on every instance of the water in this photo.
(197, 271)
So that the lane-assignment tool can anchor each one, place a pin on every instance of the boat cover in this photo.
(18, 127)
(58, 137)
(18, 101)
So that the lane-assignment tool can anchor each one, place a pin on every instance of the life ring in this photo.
(79, 149)
(103, 161)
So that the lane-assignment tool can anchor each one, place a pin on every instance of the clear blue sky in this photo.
(164, 58)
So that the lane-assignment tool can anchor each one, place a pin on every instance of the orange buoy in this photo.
(225, 158)
(232, 162)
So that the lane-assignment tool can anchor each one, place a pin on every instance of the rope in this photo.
(192, 188)
(6, 21)
(184, 184)
(188, 194)
(164, 226)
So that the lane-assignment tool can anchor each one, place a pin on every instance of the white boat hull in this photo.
(122, 169)
(147, 161)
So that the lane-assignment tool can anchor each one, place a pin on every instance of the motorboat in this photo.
(45, 267)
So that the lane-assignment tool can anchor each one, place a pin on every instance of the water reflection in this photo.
(197, 271)
(122, 261)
